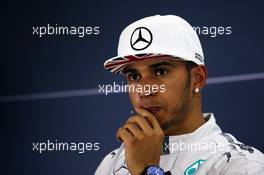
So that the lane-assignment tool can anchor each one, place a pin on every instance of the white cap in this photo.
(156, 37)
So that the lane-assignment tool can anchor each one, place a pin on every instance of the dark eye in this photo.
(133, 76)
(161, 72)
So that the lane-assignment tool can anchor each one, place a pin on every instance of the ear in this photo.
(199, 76)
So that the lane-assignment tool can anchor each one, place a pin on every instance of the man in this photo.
(169, 134)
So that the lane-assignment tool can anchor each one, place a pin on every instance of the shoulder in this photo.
(236, 158)
(240, 162)
(242, 165)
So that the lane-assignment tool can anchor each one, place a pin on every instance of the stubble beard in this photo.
(182, 109)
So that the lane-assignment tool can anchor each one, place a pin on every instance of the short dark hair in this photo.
(189, 65)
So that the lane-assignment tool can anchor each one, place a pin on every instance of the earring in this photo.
(196, 90)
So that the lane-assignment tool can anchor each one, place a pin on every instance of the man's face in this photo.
(170, 104)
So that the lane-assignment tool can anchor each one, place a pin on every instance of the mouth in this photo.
(154, 109)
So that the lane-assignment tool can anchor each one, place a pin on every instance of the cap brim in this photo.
(118, 63)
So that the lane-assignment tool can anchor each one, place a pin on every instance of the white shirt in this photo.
(205, 151)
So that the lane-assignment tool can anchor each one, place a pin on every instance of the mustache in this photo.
(147, 104)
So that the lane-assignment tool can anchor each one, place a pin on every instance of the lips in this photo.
(154, 109)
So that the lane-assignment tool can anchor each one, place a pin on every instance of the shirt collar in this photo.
(202, 134)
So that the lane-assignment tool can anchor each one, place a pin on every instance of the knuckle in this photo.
(118, 132)
(150, 133)
(133, 119)
(130, 119)
(125, 125)
(161, 134)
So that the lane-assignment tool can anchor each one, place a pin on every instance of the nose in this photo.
(148, 88)
(145, 94)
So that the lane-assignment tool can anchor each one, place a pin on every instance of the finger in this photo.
(151, 118)
(124, 135)
(134, 129)
(129, 119)
(143, 124)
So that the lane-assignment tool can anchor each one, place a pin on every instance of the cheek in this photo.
(173, 94)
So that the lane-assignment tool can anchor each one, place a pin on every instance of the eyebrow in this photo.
(127, 69)
(163, 63)
(152, 66)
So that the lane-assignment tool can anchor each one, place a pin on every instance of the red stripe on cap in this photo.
(132, 58)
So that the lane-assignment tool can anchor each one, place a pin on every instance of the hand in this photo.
(142, 137)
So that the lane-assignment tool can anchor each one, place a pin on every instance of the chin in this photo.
(162, 119)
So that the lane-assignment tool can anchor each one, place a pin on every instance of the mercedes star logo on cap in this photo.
(141, 38)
